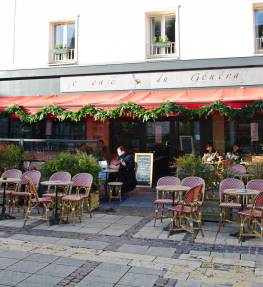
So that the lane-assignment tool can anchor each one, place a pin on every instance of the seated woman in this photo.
(211, 154)
(235, 155)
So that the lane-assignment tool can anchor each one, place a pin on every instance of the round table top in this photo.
(109, 170)
(241, 191)
(56, 182)
(172, 188)
(10, 180)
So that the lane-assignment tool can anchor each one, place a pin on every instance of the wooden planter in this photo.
(94, 200)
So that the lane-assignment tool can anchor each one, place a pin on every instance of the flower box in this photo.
(161, 44)
(59, 51)
(94, 200)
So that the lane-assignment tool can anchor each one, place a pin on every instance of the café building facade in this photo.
(183, 88)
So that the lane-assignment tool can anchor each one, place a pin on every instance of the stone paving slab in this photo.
(27, 266)
(12, 278)
(56, 270)
(138, 280)
(39, 281)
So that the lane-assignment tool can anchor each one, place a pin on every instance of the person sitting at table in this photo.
(235, 155)
(210, 155)
(103, 152)
(126, 173)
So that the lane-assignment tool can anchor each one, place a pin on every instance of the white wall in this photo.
(114, 31)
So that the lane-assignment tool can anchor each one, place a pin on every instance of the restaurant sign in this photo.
(164, 80)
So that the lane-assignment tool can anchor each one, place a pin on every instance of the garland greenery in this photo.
(134, 111)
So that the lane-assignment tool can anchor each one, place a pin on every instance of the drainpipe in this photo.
(178, 28)
(14, 32)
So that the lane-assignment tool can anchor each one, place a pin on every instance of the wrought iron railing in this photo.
(161, 50)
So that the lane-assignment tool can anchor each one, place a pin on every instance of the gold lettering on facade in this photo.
(195, 77)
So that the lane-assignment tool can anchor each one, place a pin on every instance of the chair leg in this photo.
(199, 221)
(241, 231)
(220, 219)
(156, 214)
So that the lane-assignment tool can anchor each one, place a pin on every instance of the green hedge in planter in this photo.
(73, 163)
(11, 156)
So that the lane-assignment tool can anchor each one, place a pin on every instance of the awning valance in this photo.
(235, 98)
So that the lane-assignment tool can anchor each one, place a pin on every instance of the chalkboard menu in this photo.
(144, 169)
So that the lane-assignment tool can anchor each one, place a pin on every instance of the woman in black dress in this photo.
(126, 172)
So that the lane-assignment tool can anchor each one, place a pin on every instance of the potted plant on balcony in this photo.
(161, 42)
(60, 49)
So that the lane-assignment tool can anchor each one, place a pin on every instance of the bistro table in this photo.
(55, 183)
(5, 182)
(174, 189)
(243, 194)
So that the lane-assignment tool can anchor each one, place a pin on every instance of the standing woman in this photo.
(126, 170)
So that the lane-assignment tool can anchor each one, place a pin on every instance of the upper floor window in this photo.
(162, 36)
(259, 30)
(63, 43)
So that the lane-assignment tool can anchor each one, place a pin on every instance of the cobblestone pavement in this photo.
(121, 247)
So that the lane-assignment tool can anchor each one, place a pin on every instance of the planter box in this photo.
(94, 200)
(61, 51)
(162, 44)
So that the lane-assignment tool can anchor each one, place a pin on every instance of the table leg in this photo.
(3, 214)
(55, 219)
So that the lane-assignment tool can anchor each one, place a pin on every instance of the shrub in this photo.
(256, 169)
(10, 156)
(73, 163)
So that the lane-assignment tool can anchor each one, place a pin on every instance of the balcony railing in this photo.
(161, 50)
(259, 45)
(63, 57)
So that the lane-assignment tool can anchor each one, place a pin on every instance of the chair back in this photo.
(238, 169)
(193, 181)
(82, 181)
(35, 175)
(256, 184)
(169, 180)
(61, 175)
(12, 173)
(258, 203)
(194, 194)
(229, 183)
(31, 188)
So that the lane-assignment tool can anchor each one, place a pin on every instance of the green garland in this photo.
(134, 111)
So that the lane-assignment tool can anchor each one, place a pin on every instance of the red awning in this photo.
(235, 97)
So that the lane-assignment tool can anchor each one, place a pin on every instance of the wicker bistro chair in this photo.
(34, 201)
(256, 184)
(11, 173)
(193, 181)
(187, 212)
(160, 203)
(253, 217)
(20, 194)
(73, 204)
(226, 202)
(62, 176)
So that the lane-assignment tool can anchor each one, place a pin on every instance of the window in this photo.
(258, 30)
(162, 36)
(63, 43)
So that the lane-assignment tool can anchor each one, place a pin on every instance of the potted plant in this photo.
(161, 42)
(60, 49)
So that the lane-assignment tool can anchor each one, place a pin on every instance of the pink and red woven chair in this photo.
(227, 202)
(73, 204)
(253, 217)
(193, 181)
(61, 176)
(11, 173)
(160, 203)
(16, 196)
(34, 201)
(187, 212)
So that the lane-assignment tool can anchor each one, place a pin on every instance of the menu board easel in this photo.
(144, 170)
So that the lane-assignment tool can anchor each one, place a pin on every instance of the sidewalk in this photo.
(120, 247)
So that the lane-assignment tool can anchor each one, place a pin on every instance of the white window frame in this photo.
(256, 6)
(149, 32)
(52, 25)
